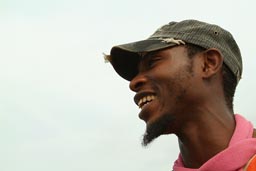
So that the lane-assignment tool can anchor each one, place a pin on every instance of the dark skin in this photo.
(190, 92)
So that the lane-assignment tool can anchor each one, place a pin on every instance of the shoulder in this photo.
(251, 165)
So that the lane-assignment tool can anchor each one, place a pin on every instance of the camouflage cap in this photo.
(125, 57)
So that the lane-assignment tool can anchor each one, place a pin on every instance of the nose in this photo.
(137, 82)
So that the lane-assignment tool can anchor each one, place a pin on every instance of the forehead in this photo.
(146, 55)
(171, 51)
(174, 56)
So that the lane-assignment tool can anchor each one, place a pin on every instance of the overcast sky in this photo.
(62, 108)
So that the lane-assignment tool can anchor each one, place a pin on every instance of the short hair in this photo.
(229, 79)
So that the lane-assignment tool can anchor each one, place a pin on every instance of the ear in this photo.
(212, 63)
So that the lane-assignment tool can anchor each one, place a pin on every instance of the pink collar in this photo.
(241, 148)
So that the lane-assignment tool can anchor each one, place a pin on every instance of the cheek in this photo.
(175, 91)
(167, 95)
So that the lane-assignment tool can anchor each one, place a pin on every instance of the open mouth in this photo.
(145, 100)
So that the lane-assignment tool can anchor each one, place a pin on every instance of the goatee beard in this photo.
(157, 128)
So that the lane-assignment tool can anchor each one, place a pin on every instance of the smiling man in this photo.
(184, 77)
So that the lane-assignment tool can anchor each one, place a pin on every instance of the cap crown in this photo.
(207, 36)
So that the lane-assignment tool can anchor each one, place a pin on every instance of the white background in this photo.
(63, 109)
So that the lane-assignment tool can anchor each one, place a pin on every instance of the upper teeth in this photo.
(145, 100)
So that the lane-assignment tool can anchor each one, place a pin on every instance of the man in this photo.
(185, 76)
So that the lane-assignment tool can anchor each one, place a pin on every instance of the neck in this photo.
(205, 136)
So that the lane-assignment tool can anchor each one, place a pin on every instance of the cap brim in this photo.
(125, 58)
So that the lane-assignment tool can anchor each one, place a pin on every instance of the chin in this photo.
(157, 127)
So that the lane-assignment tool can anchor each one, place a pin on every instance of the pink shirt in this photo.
(240, 150)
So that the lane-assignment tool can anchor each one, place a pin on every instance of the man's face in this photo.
(163, 89)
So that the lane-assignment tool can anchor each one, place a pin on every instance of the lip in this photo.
(140, 95)
(148, 110)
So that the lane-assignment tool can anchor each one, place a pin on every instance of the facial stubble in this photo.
(156, 128)
(160, 125)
